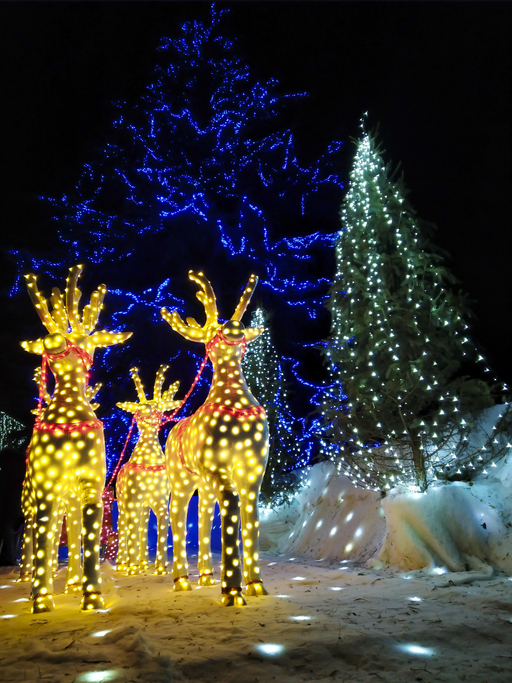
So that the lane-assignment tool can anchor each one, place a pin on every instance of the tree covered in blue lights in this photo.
(401, 407)
(201, 173)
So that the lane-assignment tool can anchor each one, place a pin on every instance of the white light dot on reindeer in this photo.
(349, 517)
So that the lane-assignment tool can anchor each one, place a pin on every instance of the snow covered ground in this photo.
(414, 587)
(323, 621)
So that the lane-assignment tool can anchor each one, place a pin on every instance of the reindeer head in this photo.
(65, 324)
(162, 400)
(233, 331)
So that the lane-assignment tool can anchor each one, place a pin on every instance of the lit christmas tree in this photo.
(399, 408)
(200, 173)
(290, 444)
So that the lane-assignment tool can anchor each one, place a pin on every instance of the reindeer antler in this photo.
(65, 317)
(159, 381)
(245, 298)
(141, 394)
(191, 329)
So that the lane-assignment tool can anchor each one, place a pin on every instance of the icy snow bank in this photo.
(329, 519)
(458, 526)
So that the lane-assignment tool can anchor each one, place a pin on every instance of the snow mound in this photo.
(329, 519)
(454, 527)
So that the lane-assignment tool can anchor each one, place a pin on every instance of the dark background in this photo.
(434, 76)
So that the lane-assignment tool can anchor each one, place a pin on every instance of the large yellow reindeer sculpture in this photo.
(142, 483)
(67, 451)
(69, 507)
(221, 450)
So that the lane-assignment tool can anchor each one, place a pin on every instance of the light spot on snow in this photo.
(299, 578)
(413, 649)
(349, 517)
(270, 649)
(301, 617)
(100, 634)
(98, 676)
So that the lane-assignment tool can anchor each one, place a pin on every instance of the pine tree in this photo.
(289, 446)
(200, 173)
(399, 407)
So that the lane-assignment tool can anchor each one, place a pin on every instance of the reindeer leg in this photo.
(231, 571)
(74, 529)
(122, 527)
(250, 533)
(92, 517)
(133, 520)
(180, 498)
(162, 516)
(27, 553)
(46, 528)
(206, 511)
(143, 538)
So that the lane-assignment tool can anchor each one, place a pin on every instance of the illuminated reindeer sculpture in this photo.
(222, 451)
(142, 483)
(69, 506)
(67, 451)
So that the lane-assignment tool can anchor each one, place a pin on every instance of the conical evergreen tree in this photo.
(399, 408)
(290, 445)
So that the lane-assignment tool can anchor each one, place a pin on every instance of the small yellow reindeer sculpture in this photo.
(67, 450)
(221, 450)
(142, 483)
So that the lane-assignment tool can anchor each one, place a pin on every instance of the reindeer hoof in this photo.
(256, 588)
(161, 570)
(232, 598)
(133, 570)
(23, 578)
(92, 601)
(43, 603)
(144, 566)
(206, 580)
(121, 567)
(73, 587)
(182, 584)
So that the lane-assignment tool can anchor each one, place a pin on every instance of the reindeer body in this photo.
(142, 483)
(67, 450)
(222, 450)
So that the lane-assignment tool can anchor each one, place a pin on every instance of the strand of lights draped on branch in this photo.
(266, 379)
(201, 170)
(399, 408)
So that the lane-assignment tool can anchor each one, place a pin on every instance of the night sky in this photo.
(434, 76)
